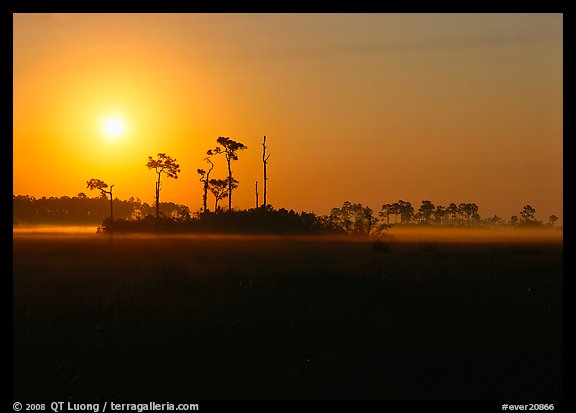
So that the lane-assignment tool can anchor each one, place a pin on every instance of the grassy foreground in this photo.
(270, 317)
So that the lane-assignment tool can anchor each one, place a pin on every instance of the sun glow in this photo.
(113, 127)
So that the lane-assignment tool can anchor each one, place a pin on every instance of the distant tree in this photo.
(462, 210)
(468, 210)
(514, 220)
(439, 214)
(101, 185)
(453, 210)
(229, 148)
(364, 220)
(340, 217)
(394, 209)
(406, 211)
(220, 189)
(265, 162)
(552, 220)
(418, 217)
(385, 212)
(182, 215)
(527, 214)
(164, 164)
(353, 218)
(473, 209)
(204, 178)
(426, 209)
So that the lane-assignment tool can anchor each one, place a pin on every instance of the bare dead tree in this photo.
(265, 162)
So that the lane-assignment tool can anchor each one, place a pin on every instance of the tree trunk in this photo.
(158, 197)
(111, 211)
(265, 179)
(265, 161)
(207, 178)
(229, 184)
(205, 199)
(257, 193)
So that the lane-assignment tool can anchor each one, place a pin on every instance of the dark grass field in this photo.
(285, 318)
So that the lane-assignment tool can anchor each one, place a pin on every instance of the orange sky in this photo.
(369, 108)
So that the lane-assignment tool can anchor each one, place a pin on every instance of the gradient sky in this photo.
(370, 108)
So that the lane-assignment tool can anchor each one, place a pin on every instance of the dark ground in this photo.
(257, 318)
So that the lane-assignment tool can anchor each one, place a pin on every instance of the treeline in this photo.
(83, 210)
(462, 214)
(251, 221)
(356, 218)
(351, 218)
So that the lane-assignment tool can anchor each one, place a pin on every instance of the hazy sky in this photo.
(370, 108)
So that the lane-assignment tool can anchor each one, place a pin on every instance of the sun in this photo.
(113, 127)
